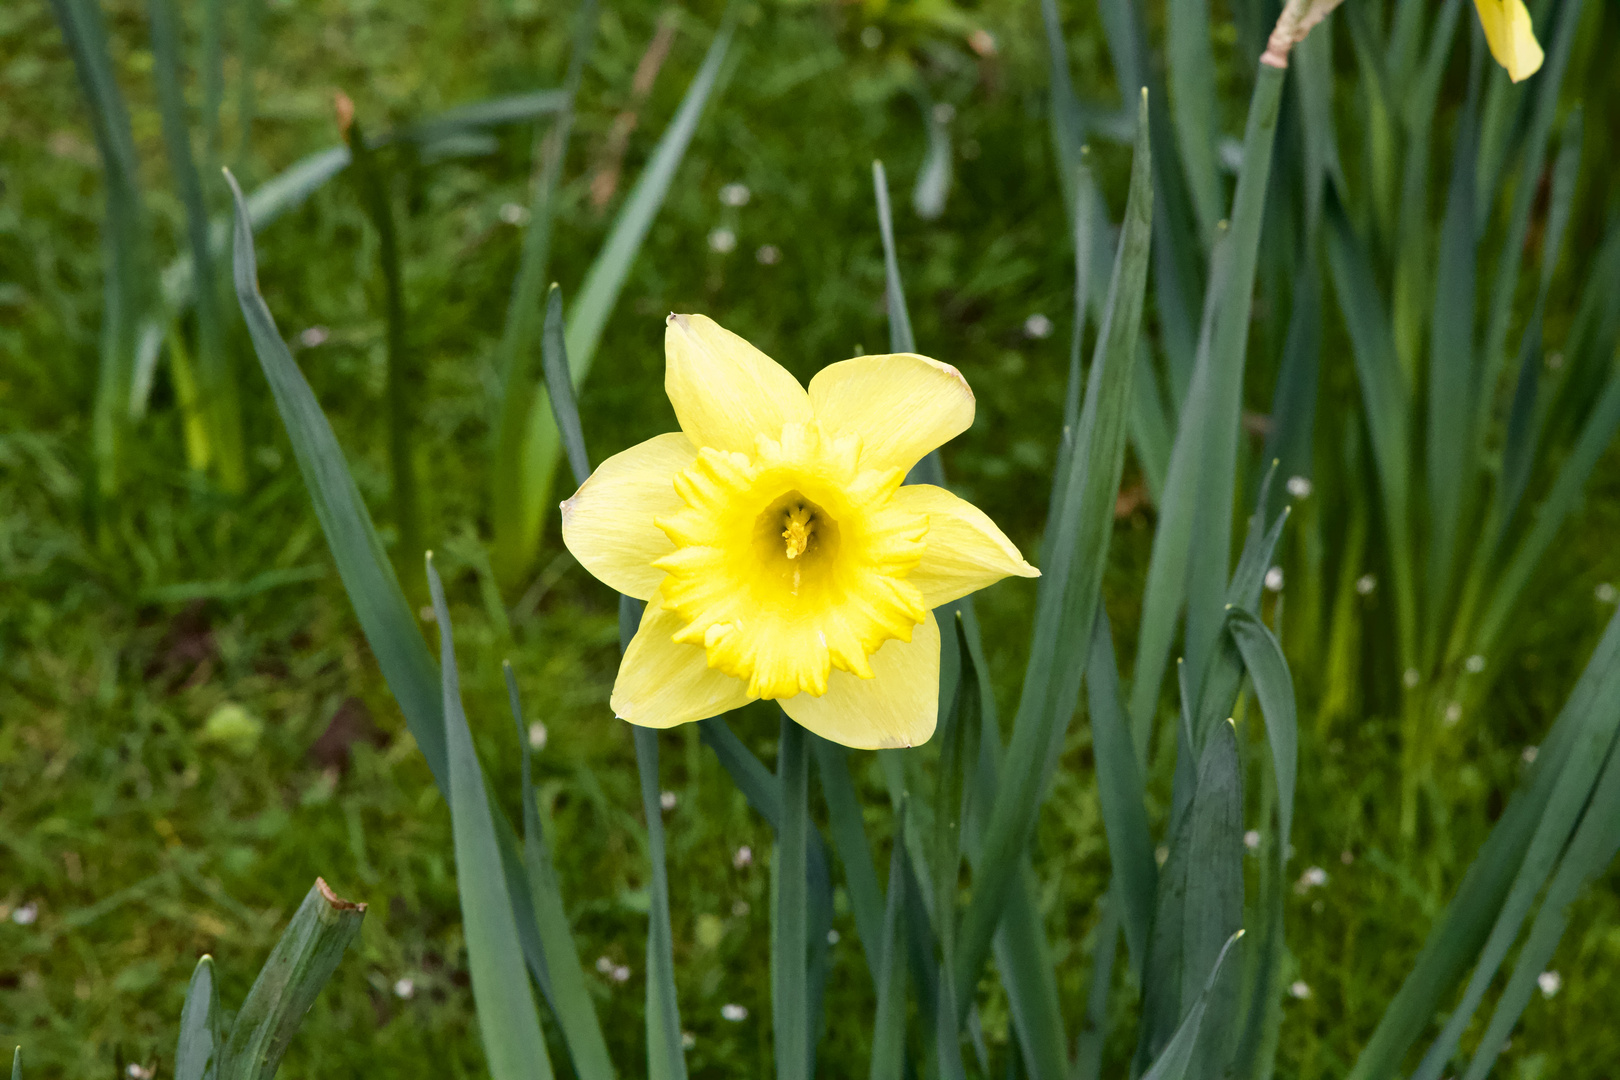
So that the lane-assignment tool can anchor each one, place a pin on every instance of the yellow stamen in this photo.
(797, 534)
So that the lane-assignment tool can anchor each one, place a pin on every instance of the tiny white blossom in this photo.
(405, 989)
(1299, 487)
(768, 255)
(1607, 593)
(313, 336)
(1411, 678)
(723, 240)
(1453, 713)
(1550, 982)
(832, 937)
(26, 915)
(1251, 839)
(1366, 583)
(944, 112)
(739, 908)
(743, 857)
(1346, 857)
(667, 801)
(1310, 879)
(734, 1013)
(872, 37)
(1529, 755)
(537, 736)
(604, 965)
(1274, 579)
(1038, 326)
(688, 1040)
(1299, 989)
(621, 974)
(1474, 664)
(138, 1072)
(735, 194)
(514, 213)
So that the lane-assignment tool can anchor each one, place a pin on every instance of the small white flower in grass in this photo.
(605, 965)
(621, 974)
(768, 255)
(404, 989)
(1299, 989)
(1607, 593)
(735, 194)
(872, 37)
(1555, 361)
(1251, 839)
(1366, 583)
(1411, 677)
(733, 1012)
(313, 336)
(426, 614)
(26, 915)
(743, 857)
(1453, 713)
(1529, 755)
(1550, 982)
(1038, 326)
(944, 112)
(1474, 664)
(1299, 487)
(667, 801)
(514, 213)
(688, 1040)
(832, 937)
(537, 736)
(1312, 878)
(723, 240)
(138, 1072)
(1274, 579)
(740, 908)
(1347, 857)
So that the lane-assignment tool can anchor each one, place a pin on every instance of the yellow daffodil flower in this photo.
(1510, 36)
(778, 553)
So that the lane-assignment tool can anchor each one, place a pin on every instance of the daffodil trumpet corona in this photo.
(1511, 37)
(778, 551)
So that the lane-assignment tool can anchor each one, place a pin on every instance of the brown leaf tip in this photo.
(334, 899)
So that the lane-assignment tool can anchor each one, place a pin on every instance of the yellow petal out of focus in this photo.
(1510, 36)
(779, 553)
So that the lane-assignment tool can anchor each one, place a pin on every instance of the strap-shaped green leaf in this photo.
(853, 848)
(789, 1011)
(293, 975)
(889, 1027)
(1176, 1060)
(197, 1054)
(1190, 65)
(507, 1019)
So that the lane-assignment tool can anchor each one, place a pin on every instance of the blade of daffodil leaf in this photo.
(1386, 399)
(218, 392)
(853, 848)
(1213, 910)
(197, 1054)
(605, 278)
(1220, 391)
(1068, 123)
(1093, 1036)
(569, 998)
(1464, 927)
(299, 965)
(901, 338)
(507, 1017)
(1120, 789)
(514, 355)
(1069, 590)
(1312, 61)
(554, 353)
(16, 1064)
(1293, 403)
(1591, 850)
(368, 576)
(1190, 66)
(1557, 821)
(1545, 87)
(788, 902)
(1176, 1060)
(889, 1026)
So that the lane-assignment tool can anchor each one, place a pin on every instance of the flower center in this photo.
(791, 562)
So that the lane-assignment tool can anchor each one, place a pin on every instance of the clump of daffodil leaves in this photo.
(778, 552)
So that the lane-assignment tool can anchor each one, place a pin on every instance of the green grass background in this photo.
(143, 844)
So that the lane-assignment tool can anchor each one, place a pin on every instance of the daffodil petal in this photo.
(963, 551)
(608, 524)
(724, 390)
(897, 707)
(901, 405)
(1511, 37)
(662, 683)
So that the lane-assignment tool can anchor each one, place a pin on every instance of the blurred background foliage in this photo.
(191, 727)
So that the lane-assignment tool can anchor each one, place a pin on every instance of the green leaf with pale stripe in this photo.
(202, 1036)
(507, 1019)
(1176, 1060)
